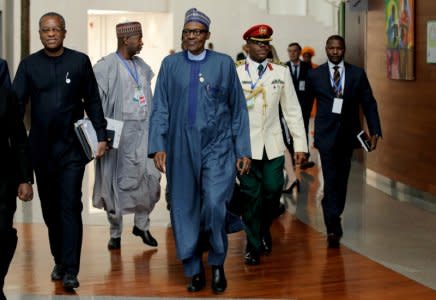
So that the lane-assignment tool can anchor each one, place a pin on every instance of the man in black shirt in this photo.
(60, 84)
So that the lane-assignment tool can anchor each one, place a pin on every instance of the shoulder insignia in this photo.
(276, 62)
(240, 62)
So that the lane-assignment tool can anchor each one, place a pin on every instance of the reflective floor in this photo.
(398, 235)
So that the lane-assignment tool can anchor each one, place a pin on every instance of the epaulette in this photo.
(277, 62)
(240, 62)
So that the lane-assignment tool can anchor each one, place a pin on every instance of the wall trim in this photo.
(400, 191)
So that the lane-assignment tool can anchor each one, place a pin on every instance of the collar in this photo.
(341, 65)
(255, 64)
(295, 64)
(198, 57)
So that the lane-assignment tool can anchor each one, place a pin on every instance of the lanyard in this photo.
(129, 69)
(253, 85)
(338, 87)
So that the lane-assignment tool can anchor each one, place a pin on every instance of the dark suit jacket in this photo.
(5, 80)
(332, 130)
(14, 146)
(306, 103)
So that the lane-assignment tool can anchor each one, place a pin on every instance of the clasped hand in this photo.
(243, 165)
(25, 192)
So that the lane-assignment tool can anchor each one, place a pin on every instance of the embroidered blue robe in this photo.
(199, 118)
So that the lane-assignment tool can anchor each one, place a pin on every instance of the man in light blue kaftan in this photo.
(199, 135)
(126, 180)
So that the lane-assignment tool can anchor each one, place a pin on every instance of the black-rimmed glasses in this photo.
(195, 32)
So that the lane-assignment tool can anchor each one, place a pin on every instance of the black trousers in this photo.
(336, 170)
(8, 234)
(60, 192)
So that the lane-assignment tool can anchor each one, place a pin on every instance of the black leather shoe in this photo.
(146, 236)
(295, 184)
(333, 240)
(114, 243)
(57, 273)
(70, 282)
(219, 281)
(266, 244)
(252, 258)
(198, 282)
(280, 210)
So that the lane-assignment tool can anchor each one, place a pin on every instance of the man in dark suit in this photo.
(61, 85)
(16, 172)
(341, 89)
(299, 69)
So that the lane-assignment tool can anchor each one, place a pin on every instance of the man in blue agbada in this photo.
(199, 136)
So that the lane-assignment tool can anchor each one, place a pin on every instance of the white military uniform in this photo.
(263, 94)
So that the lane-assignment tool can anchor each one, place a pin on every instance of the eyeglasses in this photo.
(48, 29)
(195, 32)
(259, 43)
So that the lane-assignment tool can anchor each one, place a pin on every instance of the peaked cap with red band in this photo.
(261, 32)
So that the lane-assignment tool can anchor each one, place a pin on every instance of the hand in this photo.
(25, 192)
(374, 140)
(160, 159)
(243, 165)
(300, 157)
(101, 149)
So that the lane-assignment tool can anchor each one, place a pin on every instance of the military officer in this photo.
(266, 85)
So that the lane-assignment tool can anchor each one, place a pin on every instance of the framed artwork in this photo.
(431, 42)
(400, 38)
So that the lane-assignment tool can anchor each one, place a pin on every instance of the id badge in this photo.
(302, 85)
(250, 103)
(140, 97)
(337, 105)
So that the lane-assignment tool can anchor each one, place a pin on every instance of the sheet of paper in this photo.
(117, 127)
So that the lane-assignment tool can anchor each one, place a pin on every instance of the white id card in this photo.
(337, 105)
(250, 103)
(140, 97)
(302, 85)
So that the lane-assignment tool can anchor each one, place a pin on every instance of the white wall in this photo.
(156, 28)
(230, 19)
(288, 7)
(76, 16)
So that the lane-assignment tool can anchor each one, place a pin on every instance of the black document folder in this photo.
(88, 137)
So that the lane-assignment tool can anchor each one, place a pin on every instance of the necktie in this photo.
(259, 70)
(337, 78)
(295, 73)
